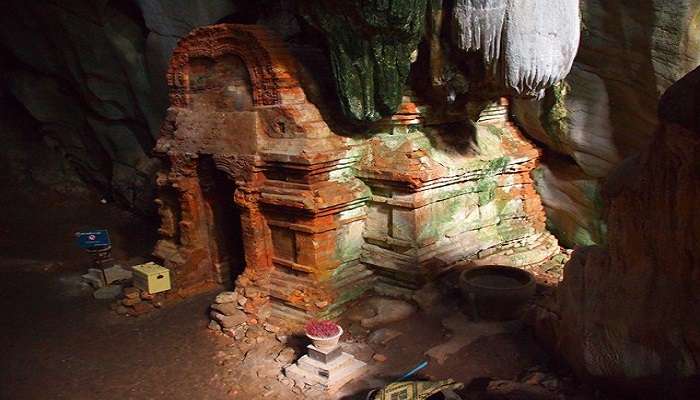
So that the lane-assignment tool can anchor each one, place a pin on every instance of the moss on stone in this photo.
(555, 115)
(371, 43)
(443, 214)
(486, 186)
(494, 130)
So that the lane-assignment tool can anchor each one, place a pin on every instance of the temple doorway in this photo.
(223, 221)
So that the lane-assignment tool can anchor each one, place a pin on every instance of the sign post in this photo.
(97, 243)
(95, 239)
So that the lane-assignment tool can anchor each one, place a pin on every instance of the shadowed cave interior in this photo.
(401, 199)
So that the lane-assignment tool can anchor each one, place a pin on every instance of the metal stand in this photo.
(102, 259)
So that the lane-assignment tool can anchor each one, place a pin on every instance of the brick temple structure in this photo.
(258, 187)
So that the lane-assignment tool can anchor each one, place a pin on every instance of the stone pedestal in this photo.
(329, 368)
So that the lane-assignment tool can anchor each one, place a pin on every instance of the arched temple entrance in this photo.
(235, 100)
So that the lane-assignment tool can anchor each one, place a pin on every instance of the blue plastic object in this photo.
(414, 370)
(94, 239)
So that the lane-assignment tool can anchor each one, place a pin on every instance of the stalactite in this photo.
(371, 46)
(540, 42)
(479, 26)
(526, 45)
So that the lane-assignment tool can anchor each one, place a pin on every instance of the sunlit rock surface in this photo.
(578, 219)
(630, 53)
(526, 46)
(628, 311)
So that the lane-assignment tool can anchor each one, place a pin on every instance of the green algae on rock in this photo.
(372, 45)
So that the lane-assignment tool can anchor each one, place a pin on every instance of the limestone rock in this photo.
(214, 326)
(478, 26)
(229, 321)
(386, 311)
(97, 104)
(628, 311)
(116, 273)
(371, 46)
(131, 292)
(574, 119)
(383, 336)
(94, 278)
(108, 292)
(540, 42)
(33, 163)
(142, 308)
(94, 76)
(286, 356)
(361, 351)
(509, 390)
(428, 296)
(226, 297)
(609, 111)
(573, 202)
(533, 42)
(131, 302)
(168, 21)
(629, 54)
(227, 309)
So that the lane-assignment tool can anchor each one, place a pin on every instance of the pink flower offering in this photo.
(322, 329)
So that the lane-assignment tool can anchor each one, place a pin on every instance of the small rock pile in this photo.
(259, 353)
(108, 283)
(537, 383)
(134, 302)
(551, 272)
(228, 315)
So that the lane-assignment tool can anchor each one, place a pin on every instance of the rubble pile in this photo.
(134, 302)
(228, 316)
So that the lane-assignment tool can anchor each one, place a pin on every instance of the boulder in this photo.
(605, 111)
(628, 311)
(386, 311)
(229, 321)
(226, 308)
(226, 297)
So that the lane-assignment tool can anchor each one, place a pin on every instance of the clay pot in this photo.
(326, 343)
(496, 292)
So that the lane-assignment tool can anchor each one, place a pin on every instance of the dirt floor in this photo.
(60, 343)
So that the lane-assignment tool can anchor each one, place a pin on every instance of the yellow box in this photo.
(151, 277)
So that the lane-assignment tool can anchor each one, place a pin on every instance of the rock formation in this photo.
(99, 93)
(93, 75)
(372, 45)
(526, 45)
(628, 311)
(630, 53)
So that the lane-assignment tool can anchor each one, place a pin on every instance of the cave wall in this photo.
(628, 311)
(92, 73)
(605, 111)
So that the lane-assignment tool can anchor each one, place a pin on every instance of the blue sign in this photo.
(93, 239)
